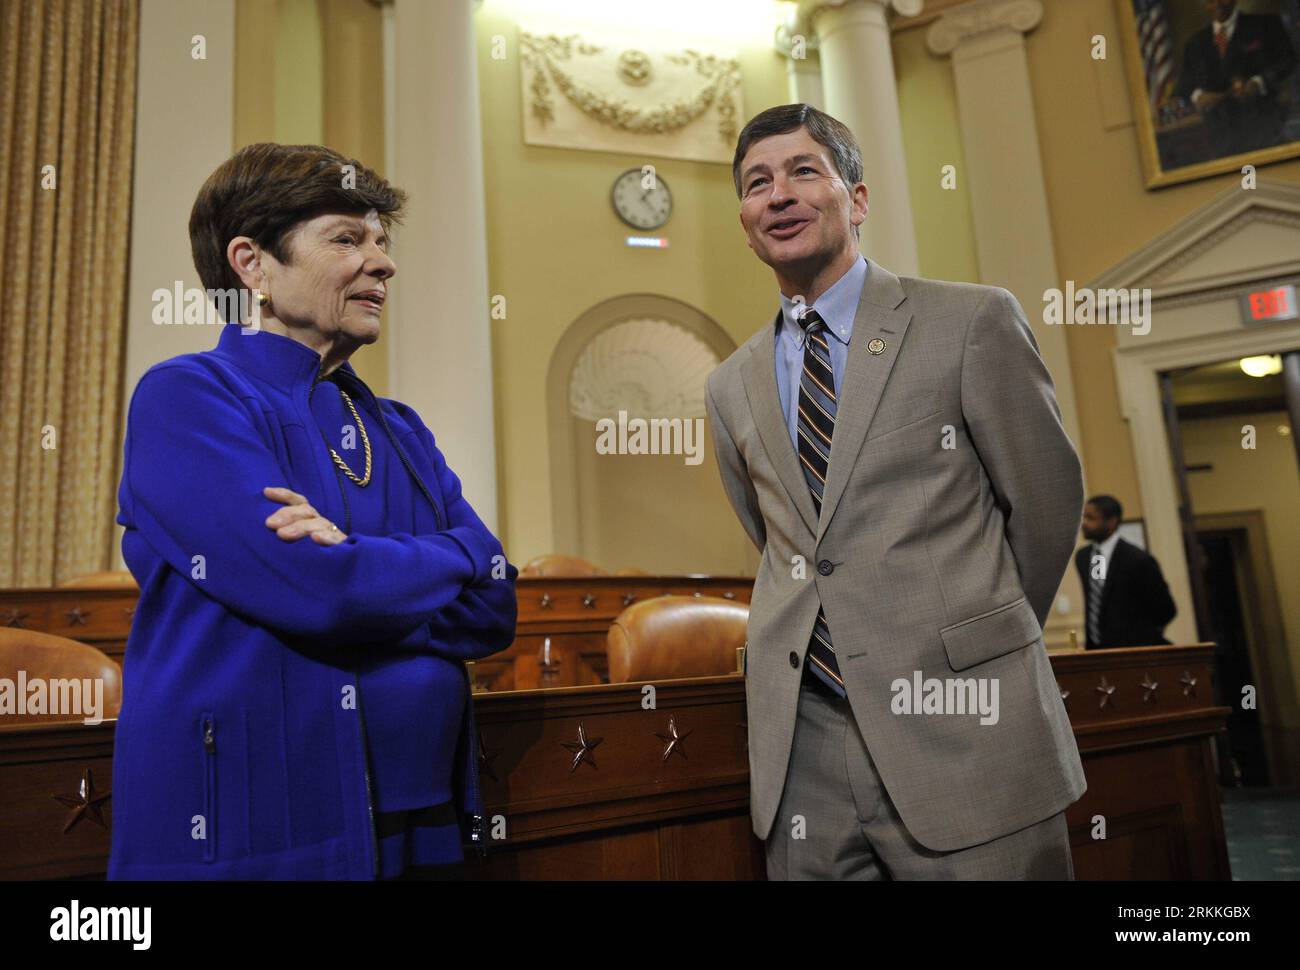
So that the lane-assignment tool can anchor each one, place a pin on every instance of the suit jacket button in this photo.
(826, 567)
(794, 660)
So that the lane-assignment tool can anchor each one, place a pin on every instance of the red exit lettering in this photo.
(1270, 303)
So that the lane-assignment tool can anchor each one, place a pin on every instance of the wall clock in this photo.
(641, 207)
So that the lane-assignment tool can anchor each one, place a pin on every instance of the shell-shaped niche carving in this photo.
(648, 368)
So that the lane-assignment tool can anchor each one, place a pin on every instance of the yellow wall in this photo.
(927, 101)
(311, 72)
(555, 248)
(656, 512)
(1101, 210)
(298, 79)
(173, 91)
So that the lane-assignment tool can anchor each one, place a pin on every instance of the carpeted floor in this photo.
(1262, 826)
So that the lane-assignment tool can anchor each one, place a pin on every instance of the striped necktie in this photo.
(1095, 589)
(816, 425)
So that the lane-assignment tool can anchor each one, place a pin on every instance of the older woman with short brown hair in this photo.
(311, 577)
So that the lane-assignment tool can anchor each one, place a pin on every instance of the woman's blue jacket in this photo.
(240, 749)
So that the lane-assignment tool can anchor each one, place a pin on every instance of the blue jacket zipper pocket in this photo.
(209, 726)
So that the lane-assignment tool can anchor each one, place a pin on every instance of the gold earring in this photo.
(263, 299)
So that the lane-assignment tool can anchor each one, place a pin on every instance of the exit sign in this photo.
(1267, 306)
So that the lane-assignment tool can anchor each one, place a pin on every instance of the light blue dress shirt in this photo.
(837, 306)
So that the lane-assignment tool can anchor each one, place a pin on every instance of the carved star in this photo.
(674, 739)
(629, 599)
(15, 618)
(728, 595)
(588, 600)
(129, 611)
(1105, 690)
(1065, 696)
(485, 757)
(84, 804)
(582, 749)
(1148, 686)
(76, 616)
(1188, 682)
(546, 601)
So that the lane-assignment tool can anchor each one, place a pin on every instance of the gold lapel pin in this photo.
(876, 346)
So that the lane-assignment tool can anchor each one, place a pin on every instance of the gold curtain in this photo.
(67, 119)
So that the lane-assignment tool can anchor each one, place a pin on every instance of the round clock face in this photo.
(642, 200)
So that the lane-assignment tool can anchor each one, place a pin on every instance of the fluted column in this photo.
(1004, 177)
(857, 62)
(440, 350)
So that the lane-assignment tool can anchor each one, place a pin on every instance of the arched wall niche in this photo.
(648, 355)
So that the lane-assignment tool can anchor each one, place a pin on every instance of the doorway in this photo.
(1231, 435)
(1232, 595)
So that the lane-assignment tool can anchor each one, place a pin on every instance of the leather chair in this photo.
(47, 657)
(558, 564)
(670, 637)
(107, 579)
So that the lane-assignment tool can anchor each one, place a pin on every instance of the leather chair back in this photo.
(49, 658)
(107, 579)
(670, 637)
(559, 564)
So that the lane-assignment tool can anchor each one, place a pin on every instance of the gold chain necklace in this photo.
(365, 440)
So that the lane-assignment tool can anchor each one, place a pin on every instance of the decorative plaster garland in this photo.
(548, 64)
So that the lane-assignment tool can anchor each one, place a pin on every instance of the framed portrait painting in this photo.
(1215, 84)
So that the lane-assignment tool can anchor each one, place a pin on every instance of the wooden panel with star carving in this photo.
(592, 784)
(99, 617)
(55, 800)
(1108, 692)
(1144, 720)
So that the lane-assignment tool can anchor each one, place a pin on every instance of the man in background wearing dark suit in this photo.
(1234, 70)
(1126, 600)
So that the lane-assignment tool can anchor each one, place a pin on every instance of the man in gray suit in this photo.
(894, 448)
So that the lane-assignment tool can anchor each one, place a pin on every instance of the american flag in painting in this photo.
(1157, 53)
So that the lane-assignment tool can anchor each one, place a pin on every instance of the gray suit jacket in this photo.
(951, 505)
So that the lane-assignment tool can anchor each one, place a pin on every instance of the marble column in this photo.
(1004, 177)
(439, 339)
(857, 64)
